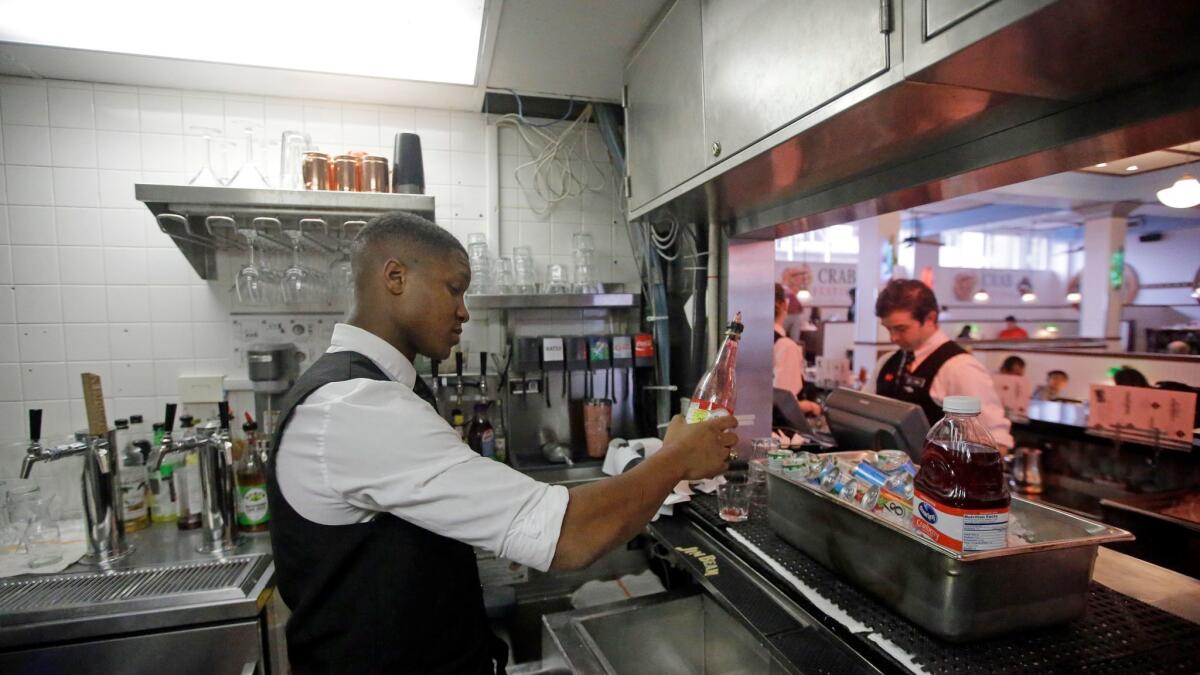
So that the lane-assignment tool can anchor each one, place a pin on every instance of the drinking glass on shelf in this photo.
(524, 274)
(248, 176)
(481, 264)
(582, 242)
(556, 279)
(503, 279)
(205, 177)
(292, 147)
(296, 284)
(249, 283)
(42, 541)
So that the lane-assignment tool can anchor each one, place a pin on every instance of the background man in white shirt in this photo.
(789, 356)
(376, 503)
(928, 367)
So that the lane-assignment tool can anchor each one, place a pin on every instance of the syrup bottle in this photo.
(960, 494)
(715, 394)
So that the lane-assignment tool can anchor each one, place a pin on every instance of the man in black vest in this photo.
(929, 366)
(376, 502)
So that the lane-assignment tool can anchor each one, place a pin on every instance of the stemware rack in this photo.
(324, 218)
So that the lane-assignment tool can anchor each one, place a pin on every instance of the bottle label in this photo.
(133, 500)
(698, 411)
(965, 530)
(487, 443)
(252, 505)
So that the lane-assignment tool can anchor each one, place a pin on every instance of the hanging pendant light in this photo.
(1184, 194)
(982, 295)
(1074, 297)
(803, 295)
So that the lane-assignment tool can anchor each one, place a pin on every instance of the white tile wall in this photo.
(89, 284)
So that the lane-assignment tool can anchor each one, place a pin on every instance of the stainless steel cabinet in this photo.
(770, 62)
(936, 29)
(665, 99)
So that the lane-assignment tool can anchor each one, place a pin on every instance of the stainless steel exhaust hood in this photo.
(1071, 84)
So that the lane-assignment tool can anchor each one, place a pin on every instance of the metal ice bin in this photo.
(956, 596)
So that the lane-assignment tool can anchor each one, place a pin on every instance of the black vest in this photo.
(383, 596)
(914, 387)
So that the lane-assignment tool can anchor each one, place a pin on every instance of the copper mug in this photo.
(316, 171)
(345, 174)
(375, 174)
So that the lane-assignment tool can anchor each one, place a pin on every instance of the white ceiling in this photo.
(1070, 193)
(550, 47)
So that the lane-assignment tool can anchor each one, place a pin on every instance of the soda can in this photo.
(848, 490)
(831, 480)
(820, 468)
(868, 498)
(901, 484)
(795, 467)
(869, 473)
(888, 461)
(775, 457)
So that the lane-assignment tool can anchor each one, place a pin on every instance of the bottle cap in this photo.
(249, 426)
(963, 405)
(135, 419)
(736, 327)
(122, 423)
(159, 426)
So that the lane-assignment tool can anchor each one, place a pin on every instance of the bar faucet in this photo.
(458, 371)
(217, 482)
(101, 485)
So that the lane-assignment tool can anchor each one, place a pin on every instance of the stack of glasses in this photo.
(524, 276)
(584, 270)
(481, 264)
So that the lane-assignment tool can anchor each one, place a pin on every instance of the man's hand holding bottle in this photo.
(702, 449)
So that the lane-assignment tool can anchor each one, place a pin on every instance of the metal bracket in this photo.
(885, 16)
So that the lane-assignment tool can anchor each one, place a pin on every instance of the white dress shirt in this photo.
(356, 448)
(789, 364)
(961, 375)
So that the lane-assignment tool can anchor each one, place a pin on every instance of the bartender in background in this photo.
(789, 356)
(929, 366)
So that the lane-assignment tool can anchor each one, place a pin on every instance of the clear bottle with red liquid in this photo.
(960, 494)
(715, 393)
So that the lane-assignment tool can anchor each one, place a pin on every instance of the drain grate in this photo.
(76, 590)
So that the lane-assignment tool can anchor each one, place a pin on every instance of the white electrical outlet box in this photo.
(201, 388)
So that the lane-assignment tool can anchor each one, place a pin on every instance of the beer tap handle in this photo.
(169, 419)
(35, 424)
(458, 364)
(483, 371)
(223, 413)
(434, 366)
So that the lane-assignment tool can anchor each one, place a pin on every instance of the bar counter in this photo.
(1140, 616)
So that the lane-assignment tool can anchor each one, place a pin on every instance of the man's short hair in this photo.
(907, 295)
(1011, 318)
(1012, 362)
(1060, 373)
(410, 236)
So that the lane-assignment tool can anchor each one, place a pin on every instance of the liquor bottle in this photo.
(253, 510)
(715, 394)
(133, 480)
(459, 423)
(164, 506)
(187, 480)
(480, 435)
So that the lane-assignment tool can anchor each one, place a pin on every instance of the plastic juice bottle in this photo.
(715, 394)
(134, 508)
(960, 495)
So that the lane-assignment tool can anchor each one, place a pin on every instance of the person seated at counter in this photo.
(789, 356)
(377, 504)
(1056, 382)
(929, 366)
(1012, 331)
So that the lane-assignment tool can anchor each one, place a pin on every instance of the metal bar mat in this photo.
(1117, 635)
(77, 590)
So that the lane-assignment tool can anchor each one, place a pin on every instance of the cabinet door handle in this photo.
(716, 148)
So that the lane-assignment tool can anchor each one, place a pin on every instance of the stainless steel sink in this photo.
(566, 475)
(665, 633)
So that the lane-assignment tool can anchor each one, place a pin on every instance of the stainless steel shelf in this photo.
(182, 211)
(555, 301)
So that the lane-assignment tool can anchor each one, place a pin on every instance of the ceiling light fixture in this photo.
(1074, 297)
(804, 295)
(982, 296)
(1101, 165)
(402, 40)
(1029, 297)
(1184, 194)
(1132, 167)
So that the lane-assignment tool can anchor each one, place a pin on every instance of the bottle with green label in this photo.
(253, 510)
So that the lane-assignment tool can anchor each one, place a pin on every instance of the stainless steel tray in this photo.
(956, 596)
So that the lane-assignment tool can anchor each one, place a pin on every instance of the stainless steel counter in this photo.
(165, 583)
